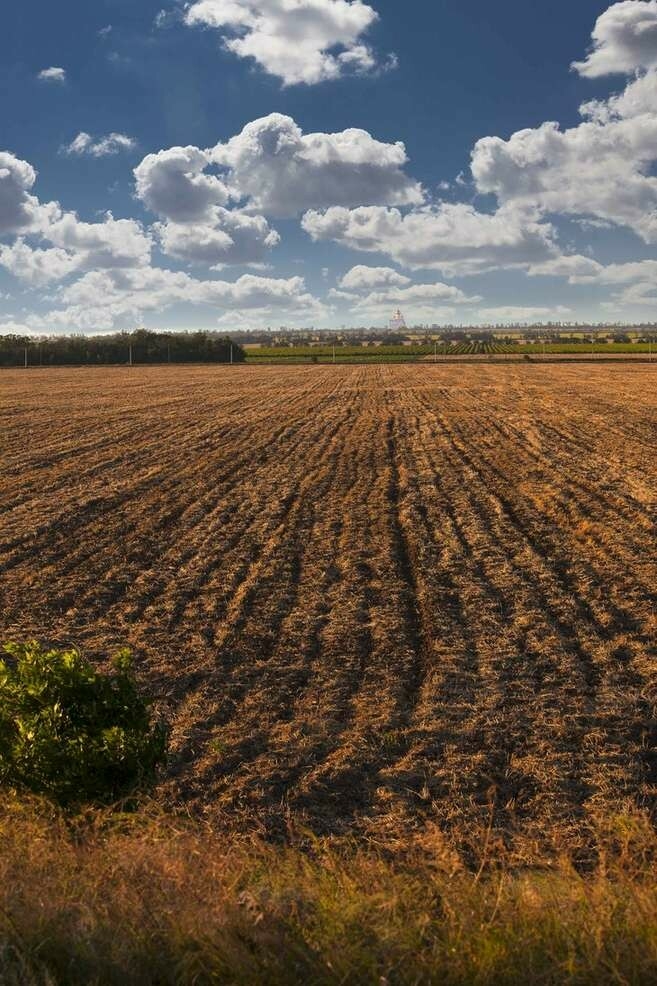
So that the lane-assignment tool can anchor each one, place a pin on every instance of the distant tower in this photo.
(397, 322)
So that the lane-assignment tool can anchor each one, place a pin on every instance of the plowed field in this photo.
(368, 599)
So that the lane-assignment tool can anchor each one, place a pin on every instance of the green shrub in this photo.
(71, 733)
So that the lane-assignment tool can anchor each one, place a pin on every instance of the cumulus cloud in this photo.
(639, 98)
(601, 171)
(379, 289)
(76, 246)
(102, 299)
(52, 74)
(640, 270)
(18, 208)
(453, 238)
(424, 295)
(624, 40)
(73, 244)
(307, 41)
(520, 314)
(277, 170)
(173, 184)
(362, 278)
(113, 143)
(198, 229)
(270, 169)
(281, 171)
(110, 243)
(36, 266)
(635, 280)
(601, 168)
(232, 238)
(571, 266)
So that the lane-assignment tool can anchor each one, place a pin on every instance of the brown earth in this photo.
(369, 599)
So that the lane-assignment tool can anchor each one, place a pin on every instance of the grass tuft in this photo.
(155, 899)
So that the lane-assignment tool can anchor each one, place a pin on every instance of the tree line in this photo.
(139, 347)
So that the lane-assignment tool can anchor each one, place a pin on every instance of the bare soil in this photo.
(370, 600)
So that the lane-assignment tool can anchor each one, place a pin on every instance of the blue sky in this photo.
(264, 162)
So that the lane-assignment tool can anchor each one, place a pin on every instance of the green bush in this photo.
(71, 733)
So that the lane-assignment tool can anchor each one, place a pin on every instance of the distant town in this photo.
(549, 332)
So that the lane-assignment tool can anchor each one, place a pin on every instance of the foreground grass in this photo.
(146, 900)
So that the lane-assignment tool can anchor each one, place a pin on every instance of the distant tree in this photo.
(148, 347)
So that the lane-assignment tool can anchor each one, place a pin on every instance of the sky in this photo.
(233, 164)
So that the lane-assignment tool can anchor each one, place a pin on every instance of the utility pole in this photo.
(130, 356)
(26, 357)
(231, 354)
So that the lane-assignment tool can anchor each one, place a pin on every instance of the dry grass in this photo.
(151, 900)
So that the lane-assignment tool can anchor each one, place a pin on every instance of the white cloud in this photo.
(113, 143)
(18, 208)
(272, 168)
(172, 183)
(640, 270)
(52, 74)
(421, 302)
(282, 172)
(573, 266)
(636, 280)
(362, 278)
(102, 299)
(110, 243)
(624, 40)
(452, 238)
(76, 246)
(37, 266)
(599, 169)
(637, 99)
(307, 41)
(278, 171)
(233, 238)
(519, 314)
(643, 294)
(417, 294)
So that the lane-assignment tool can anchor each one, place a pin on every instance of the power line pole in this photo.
(231, 354)
(26, 357)
(130, 356)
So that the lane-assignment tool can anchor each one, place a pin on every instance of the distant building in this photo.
(397, 322)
